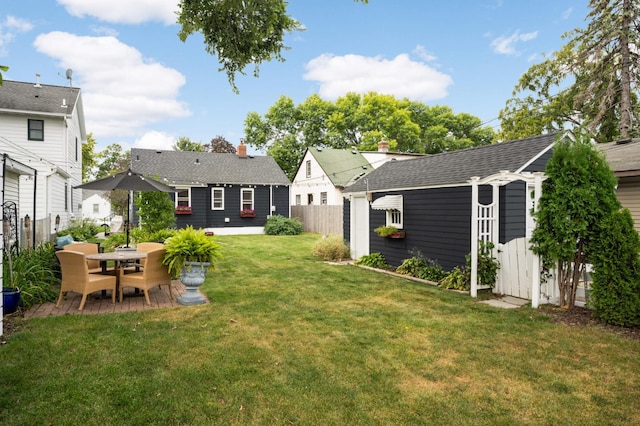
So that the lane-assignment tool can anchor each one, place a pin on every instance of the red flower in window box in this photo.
(247, 213)
(183, 210)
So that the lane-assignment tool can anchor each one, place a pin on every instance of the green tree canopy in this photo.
(239, 33)
(156, 210)
(592, 81)
(360, 121)
(3, 68)
(89, 160)
(185, 144)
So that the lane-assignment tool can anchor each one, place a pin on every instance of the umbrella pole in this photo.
(128, 214)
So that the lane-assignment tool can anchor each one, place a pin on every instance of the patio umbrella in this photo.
(129, 181)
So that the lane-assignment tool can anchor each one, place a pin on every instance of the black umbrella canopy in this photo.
(128, 181)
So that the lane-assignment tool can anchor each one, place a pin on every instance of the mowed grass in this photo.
(289, 339)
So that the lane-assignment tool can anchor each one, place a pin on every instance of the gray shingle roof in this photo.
(198, 168)
(621, 156)
(455, 167)
(20, 96)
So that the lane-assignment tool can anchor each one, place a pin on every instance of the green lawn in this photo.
(289, 339)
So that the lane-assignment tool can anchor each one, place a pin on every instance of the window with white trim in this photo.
(96, 208)
(183, 197)
(298, 200)
(323, 198)
(217, 198)
(246, 198)
(308, 165)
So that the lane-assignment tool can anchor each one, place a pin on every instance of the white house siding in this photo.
(11, 187)
(629, 196)
(104, 208)
(55, 161)
(317, 183)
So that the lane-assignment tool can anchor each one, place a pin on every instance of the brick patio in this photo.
(159, 297)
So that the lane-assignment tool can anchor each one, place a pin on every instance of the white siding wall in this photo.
(317, 183)
(629, 196)
(58, 150)
(11, 187)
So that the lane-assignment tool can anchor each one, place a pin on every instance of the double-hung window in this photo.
(183, 197)
(246, 199)
(35, 130)
(217, 198)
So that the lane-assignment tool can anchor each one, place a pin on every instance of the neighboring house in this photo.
(96, 206)
(42, 127)
(324, 172)
(624, 158)
(213, 188)
(432, 200)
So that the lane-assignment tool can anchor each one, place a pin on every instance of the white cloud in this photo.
(567, 13)
(155, 140)
(506, 45)
(8, 30)
(124, 11)
(401, 77)
(122, 91)
(422, 53)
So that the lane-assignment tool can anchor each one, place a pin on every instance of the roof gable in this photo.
(340, 165)
(40, 98)
(456, 167)
(201, 168)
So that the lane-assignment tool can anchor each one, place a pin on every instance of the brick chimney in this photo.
(242, 150)
(383, 146)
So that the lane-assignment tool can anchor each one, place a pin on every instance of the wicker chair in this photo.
(153, 274)
(88, 248)
(76, 277)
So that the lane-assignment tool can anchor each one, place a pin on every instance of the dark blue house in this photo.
(221, 192)
(430, 199)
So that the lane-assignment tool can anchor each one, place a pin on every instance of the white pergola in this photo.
(485, 222)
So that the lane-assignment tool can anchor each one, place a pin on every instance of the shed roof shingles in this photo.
(200, 168)
(455, 167)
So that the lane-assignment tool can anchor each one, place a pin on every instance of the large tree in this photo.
(239, 33)
(89, 160)
(221, 145)
(114, 159)
(360, 121)
(591, 82)
(185, 144)
(577, 197)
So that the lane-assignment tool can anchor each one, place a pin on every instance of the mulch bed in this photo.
(583, 317)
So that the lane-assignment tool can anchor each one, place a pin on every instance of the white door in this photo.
(359, 227)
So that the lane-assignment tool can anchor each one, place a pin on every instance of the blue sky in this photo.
(142, 87)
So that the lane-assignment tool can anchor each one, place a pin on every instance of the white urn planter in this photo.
(193, 275)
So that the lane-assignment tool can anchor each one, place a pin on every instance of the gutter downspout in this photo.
(35, 199)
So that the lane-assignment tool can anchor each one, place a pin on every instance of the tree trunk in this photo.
(625, 78)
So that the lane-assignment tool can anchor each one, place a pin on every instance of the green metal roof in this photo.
(343, 167)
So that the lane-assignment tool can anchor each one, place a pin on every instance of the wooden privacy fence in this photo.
(326, 220)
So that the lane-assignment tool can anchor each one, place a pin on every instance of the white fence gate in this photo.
(514, 275)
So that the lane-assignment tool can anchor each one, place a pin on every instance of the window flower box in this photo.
(389, 232)
(183, 210)
(247, 213)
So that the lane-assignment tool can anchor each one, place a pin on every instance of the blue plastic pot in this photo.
(10, 300)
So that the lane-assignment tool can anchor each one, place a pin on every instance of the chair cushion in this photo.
(63, 241)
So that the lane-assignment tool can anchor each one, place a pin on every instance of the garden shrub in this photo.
(373, 260)
(458, 279)
(280, 225)
(83, 230)
(36, 272)
(332, 248)
(615, 293)
(422, 267)
(113, 241)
